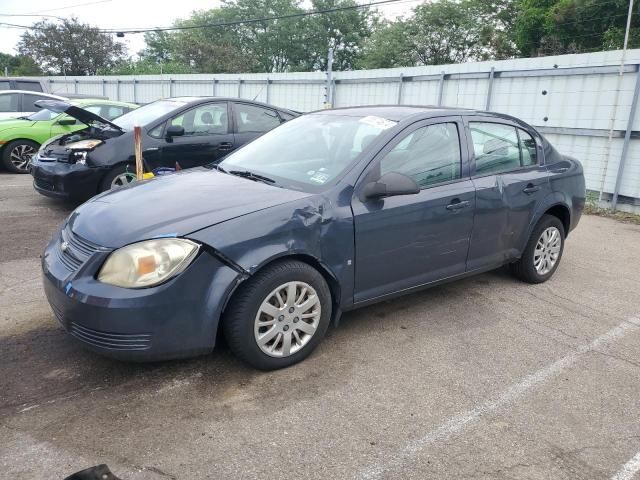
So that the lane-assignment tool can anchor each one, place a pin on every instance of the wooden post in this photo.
(137, 140)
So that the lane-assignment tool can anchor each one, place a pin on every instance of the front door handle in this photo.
(456, 204)
(225, 146)
(531, 188)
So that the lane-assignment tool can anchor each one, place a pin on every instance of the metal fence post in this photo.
(400, 84)
(627, 138)
(489, 89)
(171, 80)
(214, 87)
(104, 87)
(75, 86)
(268, 92)
(118, 89)
(239, 88)
(135, 91)
(333, 93)
(440, 89)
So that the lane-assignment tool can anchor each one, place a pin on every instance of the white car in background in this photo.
(20, 103)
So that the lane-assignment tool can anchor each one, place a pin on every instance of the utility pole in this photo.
(328, 89)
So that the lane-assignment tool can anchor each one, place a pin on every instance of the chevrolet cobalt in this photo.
(328, 212)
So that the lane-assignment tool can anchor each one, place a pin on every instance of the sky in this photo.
(118, 14)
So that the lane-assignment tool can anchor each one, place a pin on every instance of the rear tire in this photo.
(17, 155)
(300, 300)
(117, 177)
(543, 252)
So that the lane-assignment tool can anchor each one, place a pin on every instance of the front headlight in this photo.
(148, 263)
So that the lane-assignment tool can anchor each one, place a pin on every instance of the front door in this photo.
(411, 240)
(509, 183)
(207, 137)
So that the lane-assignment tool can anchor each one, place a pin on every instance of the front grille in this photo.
(113, 341)
(74, 250)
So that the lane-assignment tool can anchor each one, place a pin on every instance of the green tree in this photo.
(70, 47)
(18, 65)
(388, 47)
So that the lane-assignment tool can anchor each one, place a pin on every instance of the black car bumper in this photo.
(176, 319)
(71, 181)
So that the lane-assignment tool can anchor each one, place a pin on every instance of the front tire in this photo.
(118, 177)
(17, 155)
(277, 317)
(543, 252)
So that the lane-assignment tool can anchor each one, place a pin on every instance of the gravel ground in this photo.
(483, 378)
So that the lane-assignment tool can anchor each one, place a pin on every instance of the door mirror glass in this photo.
(66, 121)
(174, 131)
(390, 185)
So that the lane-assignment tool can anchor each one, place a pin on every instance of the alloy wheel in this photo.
(21, 156)
(287, 319)
(123, 179)
(547, 250)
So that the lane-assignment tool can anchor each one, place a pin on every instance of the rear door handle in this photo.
(225, 146)
(560, 170)
(456, 204)
(531, 188)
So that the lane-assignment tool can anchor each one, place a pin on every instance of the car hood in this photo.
(79, 113)
(15, 123)
(173, 205)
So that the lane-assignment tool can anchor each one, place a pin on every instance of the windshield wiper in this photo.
(251, 176)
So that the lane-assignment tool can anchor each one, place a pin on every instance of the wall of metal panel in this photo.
(577, 101)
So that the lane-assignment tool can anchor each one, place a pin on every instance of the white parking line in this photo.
(629, 469)
(515, 391)
(25, 185)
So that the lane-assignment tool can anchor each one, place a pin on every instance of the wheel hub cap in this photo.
(123, 179)
(287, 319)
(547, 250)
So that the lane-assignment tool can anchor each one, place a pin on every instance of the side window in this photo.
(157, 131)
(496, 147)
(255, 119)
(97, 109)
(28, 102)
(9, 102)
(112, 111)
(203, 120)
(31, 86)
(430, 155)
(527, 149)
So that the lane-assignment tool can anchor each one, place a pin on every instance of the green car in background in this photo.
(20, 138)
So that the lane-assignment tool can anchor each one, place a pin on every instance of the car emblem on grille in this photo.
(64, 246)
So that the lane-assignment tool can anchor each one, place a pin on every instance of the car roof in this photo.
(195, 100)
(398, 113)
(99, 101)
(31, 92)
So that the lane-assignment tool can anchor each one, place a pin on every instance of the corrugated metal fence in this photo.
(582, 103)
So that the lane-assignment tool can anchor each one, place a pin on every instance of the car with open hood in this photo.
(331, 211)
(180, 133)
(20, 138)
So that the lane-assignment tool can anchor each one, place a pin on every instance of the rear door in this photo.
(207, 136)
(410, 240)
(509, 182)
(251, 121)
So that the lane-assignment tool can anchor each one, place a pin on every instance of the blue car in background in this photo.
(328, 212)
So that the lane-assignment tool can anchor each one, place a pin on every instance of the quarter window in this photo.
(496, 147)
(255, 119)
(203, 120)
(430, 155)
(528, 149)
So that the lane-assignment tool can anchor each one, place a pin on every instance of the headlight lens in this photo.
(148, 263)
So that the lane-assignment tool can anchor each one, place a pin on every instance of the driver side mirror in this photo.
(66, 121)
(390, 185)
(173, 131)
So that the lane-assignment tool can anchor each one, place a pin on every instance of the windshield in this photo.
(308, 152)
(43, 114)
(147, 113)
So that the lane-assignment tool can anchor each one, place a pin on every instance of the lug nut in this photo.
(295, 320)
(291, 310)
(281, 318)
(285, 328)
